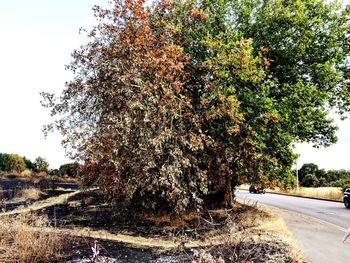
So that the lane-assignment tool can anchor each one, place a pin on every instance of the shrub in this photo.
(69, 169)
(343, 183)
(16, 163)
(41, 165)
(310, 180)
(4, 162)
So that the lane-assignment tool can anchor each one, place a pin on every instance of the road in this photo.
(318, 226)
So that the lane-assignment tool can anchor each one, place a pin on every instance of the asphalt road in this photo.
(332, 212)
(318, 226)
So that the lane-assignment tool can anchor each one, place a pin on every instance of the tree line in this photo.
(14, 163)
(311, 176)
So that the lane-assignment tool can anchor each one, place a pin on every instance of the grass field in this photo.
(331, 193)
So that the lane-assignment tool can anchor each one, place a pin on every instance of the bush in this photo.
(16, 163)
(310, 180)
(343, 183)
(41, 165)
(322, 182)
(69, 169)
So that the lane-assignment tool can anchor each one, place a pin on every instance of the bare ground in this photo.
(130, 234)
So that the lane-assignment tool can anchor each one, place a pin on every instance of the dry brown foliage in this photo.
(29, 193)
(252, 235)
(28, 238)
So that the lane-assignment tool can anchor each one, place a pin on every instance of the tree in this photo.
(29, 164)
(308, 168)
(322, 182)
(11, 163)
(307, 43)
(132, 127)
(310, 180)
(54, 172)
(4, 162)
(16, 163)
(69, 169)
(190, 98)
(41, 165)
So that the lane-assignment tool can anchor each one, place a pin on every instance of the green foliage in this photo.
(41, 165)
(29, 164)
(308, 168)
(54, 172)
(4, 162)
(16, 163)
(320, 177)
(344, 183)
(190, 98)
(322, 182)
(308, 44)
(69, 169)
(310, 180)
(12, 163)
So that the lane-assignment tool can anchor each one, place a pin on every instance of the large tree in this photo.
(305, 48)
(190, 98)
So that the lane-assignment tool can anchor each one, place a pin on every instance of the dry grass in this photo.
(29, 193)
(27, 238)
(27, 173)
(253, 235)
(249, 234)
(332, 193)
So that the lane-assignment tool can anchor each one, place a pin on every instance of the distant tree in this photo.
(322, 182)
(307, 169)
(333, 175)
(321, 173)
(29, 164)
(69, 169)
(41, 165)
(310, 180)
(16, 163)
(343, 174)
(54, 172)
(5, 162)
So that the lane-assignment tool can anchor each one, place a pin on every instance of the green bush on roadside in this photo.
(343, 183)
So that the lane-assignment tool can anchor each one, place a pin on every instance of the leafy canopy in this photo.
(187, 99)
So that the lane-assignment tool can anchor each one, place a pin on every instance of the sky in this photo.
(37, 38)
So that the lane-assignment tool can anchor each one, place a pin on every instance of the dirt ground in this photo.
(128, 233)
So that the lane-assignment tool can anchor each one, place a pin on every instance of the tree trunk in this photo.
(228, 194)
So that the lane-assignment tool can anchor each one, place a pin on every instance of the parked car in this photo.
(257, 190)
(346, 198)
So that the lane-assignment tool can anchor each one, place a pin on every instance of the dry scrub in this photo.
(29, 193)
(252, 235)
(28, 238)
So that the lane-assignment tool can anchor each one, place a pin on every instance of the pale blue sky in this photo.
(37, 37)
